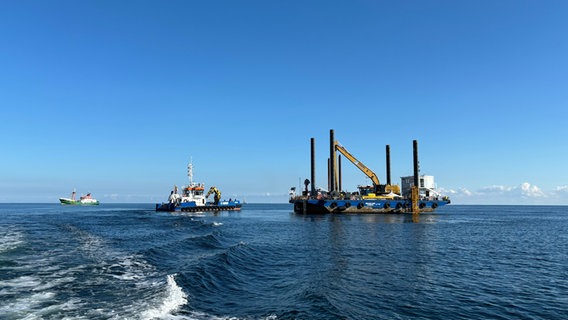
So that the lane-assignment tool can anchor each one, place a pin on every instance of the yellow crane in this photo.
(380, 191)
(216, 197)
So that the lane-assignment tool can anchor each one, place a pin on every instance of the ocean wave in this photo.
(186, 247)
(221, 273)
(197, 315)
(173, 299)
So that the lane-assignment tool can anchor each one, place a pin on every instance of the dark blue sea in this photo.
(128, 262)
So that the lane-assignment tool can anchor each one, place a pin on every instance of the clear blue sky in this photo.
(115, 97)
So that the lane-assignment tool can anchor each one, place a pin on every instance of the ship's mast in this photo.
(190, 171)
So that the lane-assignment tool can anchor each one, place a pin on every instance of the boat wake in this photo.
(174, 298)
(61, 283)
(10, 239)
(79, 270)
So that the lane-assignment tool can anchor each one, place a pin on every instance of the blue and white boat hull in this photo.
(191, 206)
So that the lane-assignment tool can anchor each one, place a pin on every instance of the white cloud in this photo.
(494, 189)
(466, 192)
(531, 190)
(452, 192)
(525, 193)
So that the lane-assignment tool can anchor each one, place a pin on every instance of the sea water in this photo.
(126, 261)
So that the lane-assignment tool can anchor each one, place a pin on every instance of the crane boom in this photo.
(217, 195)
(357, 163)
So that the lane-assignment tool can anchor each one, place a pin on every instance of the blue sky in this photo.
(115, 97)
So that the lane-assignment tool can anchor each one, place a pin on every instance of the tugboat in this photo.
(418, 194)
(192, 198)
(85, 200)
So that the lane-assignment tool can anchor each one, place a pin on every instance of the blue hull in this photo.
(192, 207)
(364, 206)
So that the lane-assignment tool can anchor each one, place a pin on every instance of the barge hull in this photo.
(313, 206)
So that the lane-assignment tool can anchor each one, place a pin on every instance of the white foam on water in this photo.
(35, 295)
(52, 282)
(217, 224)
(192, 214)
(113, 263)
(22, 282)
(25, 305)
(196, 315)
(173, 300)
(50, 275)
(128, 268)
(10, 239)
(60, 310)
